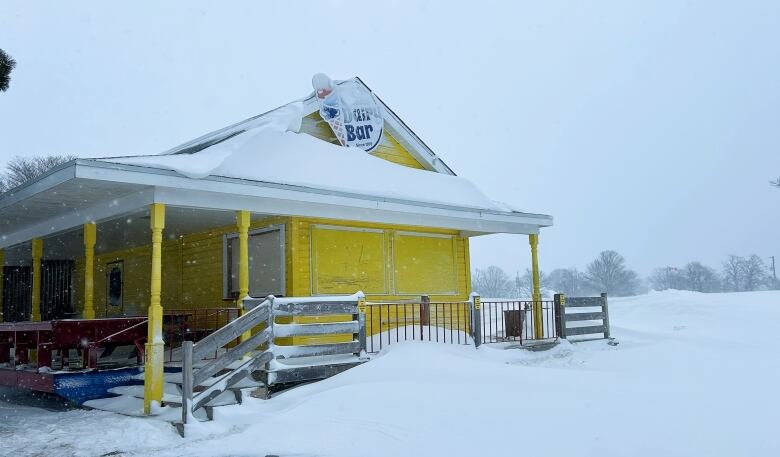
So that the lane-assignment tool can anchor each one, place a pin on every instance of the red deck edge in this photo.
(42, 382)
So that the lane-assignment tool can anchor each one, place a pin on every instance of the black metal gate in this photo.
(56, 289)
(17, 293)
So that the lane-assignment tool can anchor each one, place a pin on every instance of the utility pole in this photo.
(774, 273)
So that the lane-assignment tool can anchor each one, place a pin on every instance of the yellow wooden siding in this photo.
(392, 151)
(424, 264)
(302, 283)
(388, 147)
(403, 263)
(203, 263)
(192, 272)
(345, 261)
(135, 276)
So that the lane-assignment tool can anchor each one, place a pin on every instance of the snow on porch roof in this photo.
(272, 151)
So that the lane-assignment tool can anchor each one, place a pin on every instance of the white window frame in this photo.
(226, 265)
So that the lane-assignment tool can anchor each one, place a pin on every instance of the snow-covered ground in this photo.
(693, 375)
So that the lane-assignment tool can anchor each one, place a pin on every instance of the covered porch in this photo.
(122, 257)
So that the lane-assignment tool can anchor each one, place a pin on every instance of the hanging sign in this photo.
(352, 111)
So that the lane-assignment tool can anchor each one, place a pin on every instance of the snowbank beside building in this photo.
(694, 374)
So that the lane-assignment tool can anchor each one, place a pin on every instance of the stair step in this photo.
(246, 383)
(129, 405)
(172, 397)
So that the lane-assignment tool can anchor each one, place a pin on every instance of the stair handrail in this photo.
(195, 352)
(108, 338)
(255, 314)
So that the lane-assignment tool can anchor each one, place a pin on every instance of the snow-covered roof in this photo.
(393, 124)
(271, 150)
(265, 166)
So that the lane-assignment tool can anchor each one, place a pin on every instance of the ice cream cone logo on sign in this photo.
(351, 110)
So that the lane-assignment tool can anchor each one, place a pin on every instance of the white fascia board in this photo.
(104, 210)
(413, 144)
(332, 210)
(272, 198)
(53, 178)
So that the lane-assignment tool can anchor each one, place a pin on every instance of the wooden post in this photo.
(425, 315)
(476, 318)
(242, 224)
(605, 311)
(362, 325)
(533, 240)
(37, 256)
(186, 380)
(560, 315)
(89, 270)
(2, 304)
(155, 347)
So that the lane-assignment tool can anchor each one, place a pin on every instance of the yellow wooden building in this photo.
(273, 198)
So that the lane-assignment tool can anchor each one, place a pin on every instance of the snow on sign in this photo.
(352, 112)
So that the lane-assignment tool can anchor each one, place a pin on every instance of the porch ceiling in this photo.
(124, 232)
(63, 198)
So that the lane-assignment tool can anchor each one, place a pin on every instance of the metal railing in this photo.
(193, 324)
(423, 320)
(517, 321)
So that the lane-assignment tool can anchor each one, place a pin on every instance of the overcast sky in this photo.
(651, 128)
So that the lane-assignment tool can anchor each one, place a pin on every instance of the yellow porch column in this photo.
(242, 224)
(536, 295)
(89, 272)
(37, 255)
(2, 264)
(155, 347)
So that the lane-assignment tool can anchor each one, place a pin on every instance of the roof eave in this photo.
(542, 220)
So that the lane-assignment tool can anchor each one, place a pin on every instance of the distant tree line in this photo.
(737, 274)
(608, 273)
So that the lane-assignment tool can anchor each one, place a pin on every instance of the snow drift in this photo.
(694, 374)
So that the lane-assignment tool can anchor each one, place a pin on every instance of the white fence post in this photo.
(186, 377)
(362, 323)
(476, 318)
(605, 310)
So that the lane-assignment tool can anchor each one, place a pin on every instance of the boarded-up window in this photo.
(346, 260)
(424, 264)
(266, 263)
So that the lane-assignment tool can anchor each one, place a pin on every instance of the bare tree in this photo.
(732, 273)
(666, 278)
(524, 285)
(7, 64)
(754, 273)
(19, 170)
(608, 273)
(700, 278)
(567, 281)
(491, 282)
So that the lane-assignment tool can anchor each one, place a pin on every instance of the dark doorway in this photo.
(115, 289)
(17, 293)
(56, 289)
